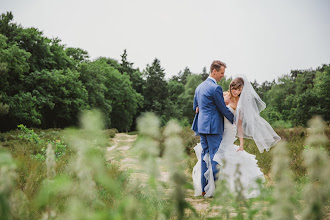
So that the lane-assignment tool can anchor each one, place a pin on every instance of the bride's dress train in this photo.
(227, 152)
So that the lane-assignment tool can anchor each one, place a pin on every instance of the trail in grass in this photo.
(121, 152)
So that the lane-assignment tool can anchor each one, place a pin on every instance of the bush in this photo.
(282, 124)
(111, 132)
(30, 135)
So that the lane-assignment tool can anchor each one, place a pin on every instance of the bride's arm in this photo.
(240, 134)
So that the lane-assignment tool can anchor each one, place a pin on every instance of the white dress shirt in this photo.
(212, 79)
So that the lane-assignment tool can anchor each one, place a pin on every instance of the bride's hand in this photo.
(241, 148)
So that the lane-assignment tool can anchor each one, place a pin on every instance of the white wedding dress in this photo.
(227, 152)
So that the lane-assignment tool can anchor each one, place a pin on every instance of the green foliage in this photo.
(111, 92)
(204, 74)
(46, 84)
(263, 88)
(88, 187)
(112, 132)
(224, 83)
(322, 93)
(175, 89)
(7, 176)
(156, 90)
(14, 66)
(173, 107)
(317, 191)
(77, 54)
(134, 74)
(125, 101)
(174, 155)
(4, 108)
(82, 184)
(183, 76)
(283, 207)
(37, 83)
(282, 124)
(30, 135)
(94, 78)
(60, 96)
(187, 98)
(23, 109)
(295, 98)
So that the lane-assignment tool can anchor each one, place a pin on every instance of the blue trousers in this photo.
(210, 144)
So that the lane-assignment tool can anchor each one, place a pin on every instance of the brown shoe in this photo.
(203, 193)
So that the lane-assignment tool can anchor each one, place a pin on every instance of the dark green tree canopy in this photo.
(45, 84)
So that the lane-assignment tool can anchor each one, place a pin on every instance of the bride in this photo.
(245, 104)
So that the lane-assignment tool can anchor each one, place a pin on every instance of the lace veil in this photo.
(249, 122)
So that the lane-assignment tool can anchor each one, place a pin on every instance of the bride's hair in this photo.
(236, 83)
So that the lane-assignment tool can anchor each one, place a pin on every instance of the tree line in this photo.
(46, 84)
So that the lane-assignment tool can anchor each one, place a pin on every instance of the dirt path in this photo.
(121, 152)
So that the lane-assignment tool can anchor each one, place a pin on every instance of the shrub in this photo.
(30, 135)
(282, 124)
(111, 132)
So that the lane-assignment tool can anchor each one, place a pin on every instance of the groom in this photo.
(210, 122)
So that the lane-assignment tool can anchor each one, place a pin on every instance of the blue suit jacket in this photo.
(212, 109)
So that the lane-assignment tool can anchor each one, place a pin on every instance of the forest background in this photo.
(46, 84)
(47, 172)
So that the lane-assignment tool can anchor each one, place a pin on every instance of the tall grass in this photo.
(317, 191)
(280, 199)
(7, 187)
(283, 206)
(81, 184)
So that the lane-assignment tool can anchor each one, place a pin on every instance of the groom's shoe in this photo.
(203, 193)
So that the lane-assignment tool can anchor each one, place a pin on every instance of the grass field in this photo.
(73, 180)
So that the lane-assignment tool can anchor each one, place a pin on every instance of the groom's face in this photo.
(219, 74)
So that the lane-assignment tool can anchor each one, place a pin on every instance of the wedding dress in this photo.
(227, 152)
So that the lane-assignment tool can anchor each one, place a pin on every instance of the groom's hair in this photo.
(216, 64)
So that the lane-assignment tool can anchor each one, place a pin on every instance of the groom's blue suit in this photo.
(209, 122)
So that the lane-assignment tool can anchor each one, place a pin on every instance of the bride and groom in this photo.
(220, 118)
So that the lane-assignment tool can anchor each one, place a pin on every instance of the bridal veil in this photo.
(253, 125)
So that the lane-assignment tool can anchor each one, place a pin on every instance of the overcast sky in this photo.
(258, 38)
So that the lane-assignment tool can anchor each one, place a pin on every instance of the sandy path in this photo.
(121, 152)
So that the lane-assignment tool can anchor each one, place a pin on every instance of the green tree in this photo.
(264, 88)
(134, 74)
(204, 74)
(187, 98)
(278, 93)
(59, 56)
(77, 54)
(185, 74)
(13, 67)
(7, 27)
(111, 92)
(125, 101)
(60, 96)
(93, 76)
(175, 89)
(45, 53)
(322, 93)
(224, 83)
(23, 110)
(4, 108)
(156, 91)
(173, 107)
(182, 76)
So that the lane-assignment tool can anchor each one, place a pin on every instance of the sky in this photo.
(258, 38)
